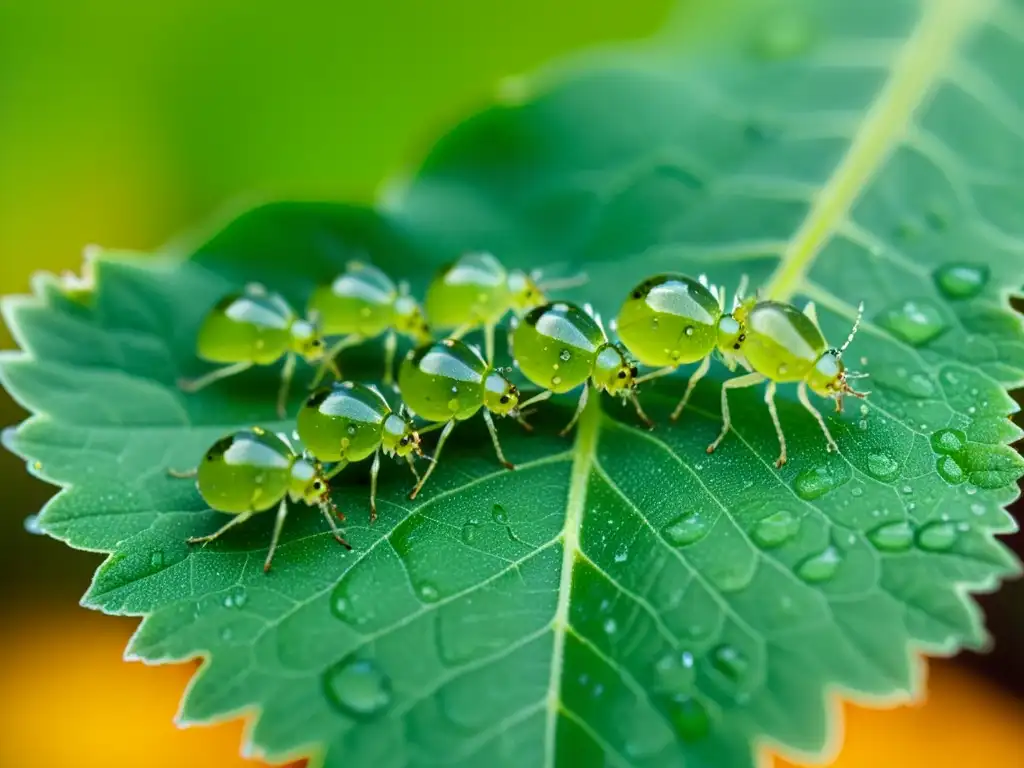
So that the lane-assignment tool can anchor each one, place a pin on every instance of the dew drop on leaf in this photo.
(499, 514)
(428, 592)
(32, 525)
(610, 627)
(675, 672)
(358, 688)
(937, 537)
(621, 554)
(882, 466)
(914, 321)
(897, 536)
(820, 567)
(949, 470)
(156, 559)
(236, 597)
(814, 483)
(730, 662)
(689, 718)
(469, 530)
(686, 529)
(776, 529)
(948, 441)
(961, 281)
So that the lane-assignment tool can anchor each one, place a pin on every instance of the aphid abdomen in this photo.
(781, 341)
(342, 423)
(245, 329)
(470, 291)
(443, 381)
(353, 304)
(669, 320)
(556, 346)
(246, 471)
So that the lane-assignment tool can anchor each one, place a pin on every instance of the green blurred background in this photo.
(123, 123)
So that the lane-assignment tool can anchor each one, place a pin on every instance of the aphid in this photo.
(447, 382)
(560, 346)
(363, 303)
(347, 422)
(255, 327)
(477, 291)
(670, 320)
(253, 470)
(782, 345)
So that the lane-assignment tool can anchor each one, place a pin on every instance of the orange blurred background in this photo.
(121, 123)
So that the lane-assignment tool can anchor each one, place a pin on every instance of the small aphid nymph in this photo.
(253, 470)
(255, 327)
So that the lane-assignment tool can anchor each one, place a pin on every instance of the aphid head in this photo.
(308, 483)
(829, 378)
(613, 371)
(501, 396)
(524, 293)
(731, 335)
(409, 318)
(307, 340)
(400, 437)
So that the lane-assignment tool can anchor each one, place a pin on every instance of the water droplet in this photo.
(786, 35)
(914, 321)
(565, 355)
(236, 597)
(556, 380)
(32, 525)
(730, 662)
(686, 529)
(689, 718)
(978, 509)
(499, 514)
(675, 672)
(621, 554)
(357, 688)
(156, 559)
(950, 471)
(857, 492)
(453, 405)
(815, 482)
(892, 537)
(776, 529)
(882, 466)
(961, 281)
(783, 369)
(820, 567)
(937, 537)
(351, 430)
(948, 441)
(469, 532)
(226, 634)
(610, 627)
(688, 330)
(428, 592)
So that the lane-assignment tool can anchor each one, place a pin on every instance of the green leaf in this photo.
(622, 598)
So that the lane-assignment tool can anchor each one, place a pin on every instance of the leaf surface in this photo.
(622, 598)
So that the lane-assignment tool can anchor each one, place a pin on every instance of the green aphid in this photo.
(255, 327)
(253, 470)
(348, 422)
(447, 382)
(363, 303)
(559, 347)
(783, 345)
(671, 320)
(476, 291)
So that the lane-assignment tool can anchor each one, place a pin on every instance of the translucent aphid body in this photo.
(559, 347)
(671, 320)
(253, 470)
(363, 303)
(349, 422)
(255, 327)
(476, 291)
(448, 382)
(783, 345)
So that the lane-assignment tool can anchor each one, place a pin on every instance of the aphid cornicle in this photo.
(251, 471)
(559, 347)
(348, 422)
(448, 382)
(782, 345)
(671, 320)
(255, 327)
(363, 303)
(477, 291)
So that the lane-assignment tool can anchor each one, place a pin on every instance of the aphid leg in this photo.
(412, 466)
(657, 374)
(801, 393)
(579, 410)
(494, 439)
(390, 347)
(461, 331)
(374, 470)
(328, 363)
(194, 385)
(282, 513)
(640, 411)
(287, 373)
(699, 374)
(448, 427)
(183, 474)
(236, 520)
(335, 531)
(748, 380)
(521, 410)
(333, 471)
(769, 399)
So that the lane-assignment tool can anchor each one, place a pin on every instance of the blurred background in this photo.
(122, 123)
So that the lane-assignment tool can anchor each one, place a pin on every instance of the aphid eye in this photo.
(504, 399)
(633, 371)
(318, 486)
(743, 337)
(404, 441)
(736, 345)
(622, 374)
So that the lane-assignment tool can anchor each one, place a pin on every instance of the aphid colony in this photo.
(665, 322)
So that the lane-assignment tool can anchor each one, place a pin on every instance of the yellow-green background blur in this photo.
(123, 122)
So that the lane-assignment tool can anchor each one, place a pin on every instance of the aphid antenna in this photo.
(562, 283)
(857, 375)
(741, 290)
(702, 278)
(856, 327)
